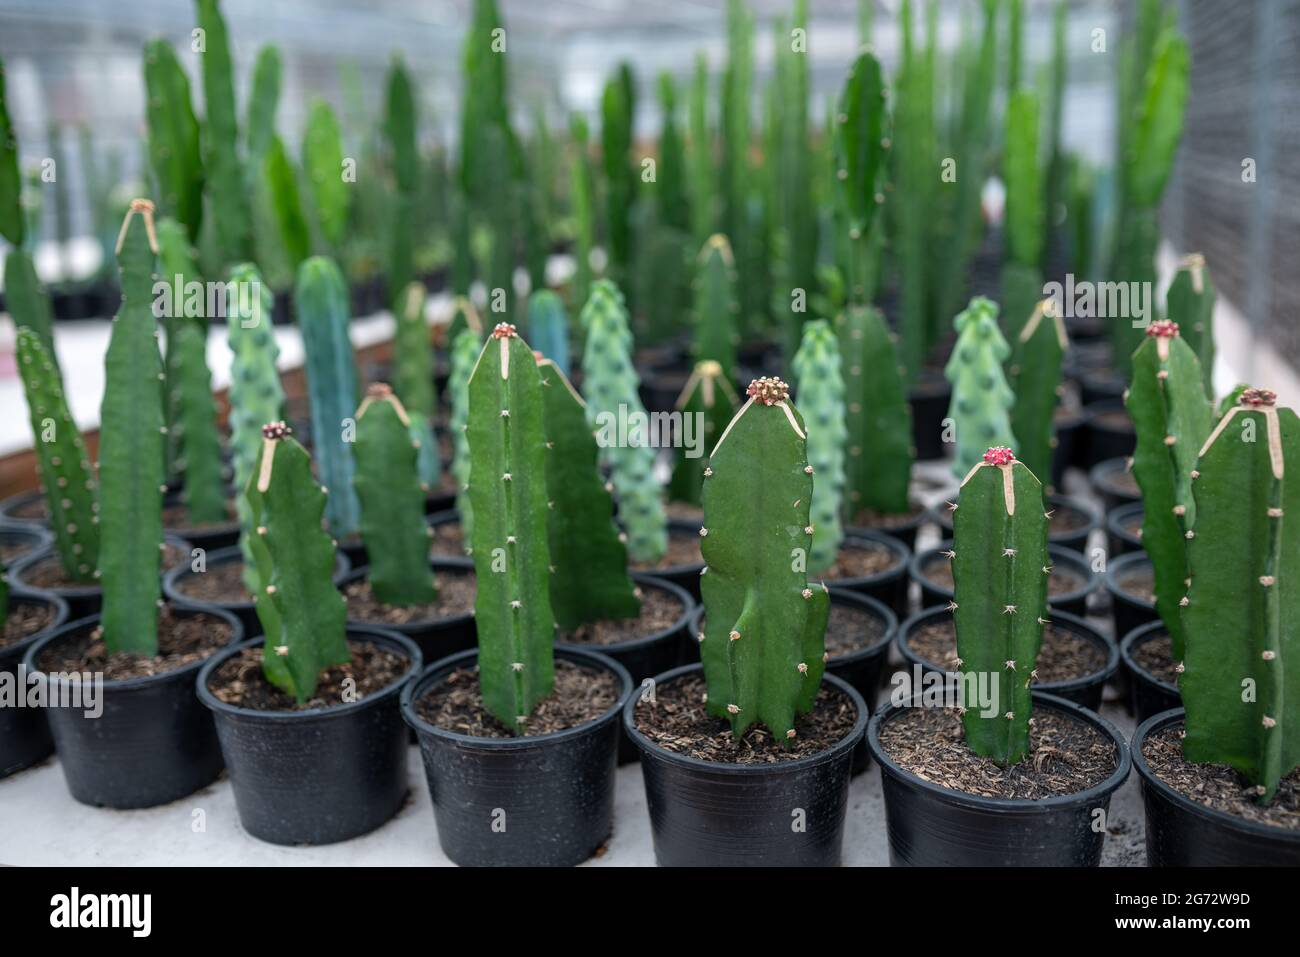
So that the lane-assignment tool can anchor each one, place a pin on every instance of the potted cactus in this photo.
(1219, 779)
(1026, 774)
(730, 748)
(519, 740)
(25, 617)
(307, 715)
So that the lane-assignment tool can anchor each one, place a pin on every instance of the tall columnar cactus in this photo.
(173, 137)
(861, 150)
(616, 147)
(67, 478)
(131, 455)
(1172, 416)
(280, 178)
(413, 379)
(27, 301)
(399, 128)
(302, 613)
(610, 383)
(589, 580)
(548, 327)
(1240, 683)
(715, 305)
(512, 609)
(322, 162)
(584, 211)
(224, 179)
(707, 405)
(321, 301)
(821, 395)
(12, 224)
(764, 639)
(703, 176)
(392, 501)
(981, 399)
(999, 571)
(1036, 381)
(1190, 303)
(263, 100)
(200, 447)
(878, 418)
(465, 350)
(1021, 281)
(177, 269)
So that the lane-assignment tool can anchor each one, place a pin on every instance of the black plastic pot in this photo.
(1075, 539)
(1085, 691)
(933, 826)
(1074, 602)
(25, 508)
(1128, 611)
(153, 743)
(684, 576)
(651, 654)
(1101, 384)
(660, 388)
(1148, 695)
(711, 814)
(1120, 540)
(1105, 477)
(24, 733)
(19, 539)
(1183, 833)
(210, 538)
(541, 800)
(889, 586)
(322, 775)
(905, 530)
(1107, 439)
(1069, 439)
(448, 516)
(245, 611)
(436, 638)
(929, 397)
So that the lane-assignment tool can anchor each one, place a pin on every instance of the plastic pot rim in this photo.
(220, 556)
(1117, 515)
(683, 620)
(19, 593)
(1136, 637)
(1121, 563)
(436, 562)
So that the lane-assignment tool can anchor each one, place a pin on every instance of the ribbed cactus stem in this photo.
(715, 305)
(173, 137)
(225, 184)
(861, 151)
(821, 399)
(1036, 382)
(548, 328)
(413, 378)
(465, 350)
(878, 418)
(1190, 303)
(203, 489)
(707, 404)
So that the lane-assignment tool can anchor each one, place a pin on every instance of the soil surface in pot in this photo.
(1218, 786)
(48, 572)
(178, 517)
(182, 640)
(11, 551)
(241, 682)
(581, 694)
(455, 597)
(1062, 581)
(1123, 481)
(448, 538)
(1132, 524)
(1065, 655)
(33, 511)
(1138, 582)
(1067, 755)
(660, 610)
(679, 722)
(862, 558)
(848, 629)
(870, 518)
(25, 620)
(1155, 657)
(221, 583)
(683, 549)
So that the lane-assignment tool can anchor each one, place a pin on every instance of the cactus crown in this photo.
(1162, 329)
(1258, 398)
(768, 390)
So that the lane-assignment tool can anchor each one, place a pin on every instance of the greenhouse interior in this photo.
(737, 433)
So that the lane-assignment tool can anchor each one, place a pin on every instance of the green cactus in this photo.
(392, 501)
(200, 465)
(177, 269)
(27, 301)
(226, 190)
(700, 160)
(709, 401)
(861, 150)
(465, 348)
(302, 614)
(610, 385)
(821, 396)
(1022, 283)
(413, 379)
(736, 179)
(715, 306)
(981, 399)
(589, 580)
(1242, 699)
(512, 609)
(1036, 381)
(1173, 417)
(263, 100)
(548, 328)
(131, 454)
(173, 137)
(399, 128)
(322, 161)
(63, 465)
(13, 225)
(764, 639)
(674, 205)
(584, 203)
(616, 148)
(1055, 184)
(1190, 303)
(281, 179)
(878, 418)
(321, 302)
(999, 571)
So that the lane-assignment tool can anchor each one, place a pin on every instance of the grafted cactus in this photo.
(1240, 681)
(821, 396)
(173, 137)
(202, 487)
(548, 328)
(392, 501)
(610, 385)
(67, 478)
(465, 350)
(512, 609)
(302, 613)
(999, 572)
(1190, 303)
(877, 416)
(707, 405)
(1172, 416)
(764, 640)
(715, 305)
(413, 379)
(981, 399)
(1036, 382)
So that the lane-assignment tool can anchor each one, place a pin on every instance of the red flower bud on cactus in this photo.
(769, 391)
(1162, 329)
(503, 330)
(999, 455)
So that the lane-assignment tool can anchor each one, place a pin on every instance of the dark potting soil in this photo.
(221, 583)
(31, 511)
(683, 549)
(870, 518)
(1155, 657)
(455, 597)
(241, 682)
(1218, 786)
(1067, 755)
(178, 517)
(1132, 524)
(11, 551)
(25, 620)
(660, 610)
(678, 721)
(1062, 581)
(182, 640)
(848, 629)
(448, 539)
(1139, 583)
(49, 573)
(862, 558)
(1064, 656)
(581, 695)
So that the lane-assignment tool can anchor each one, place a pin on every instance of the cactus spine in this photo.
(999, 570)
(1172, 417)
(200, 447)
(716, 308)
(1036, 381)
(1190, 303)
(1240, 632)
(548, 328)
(173, 137)
(981, 398)
(227, 192)
(512, 609)
(821, 394)
(465, 349)
(764, 640)
(709, 401)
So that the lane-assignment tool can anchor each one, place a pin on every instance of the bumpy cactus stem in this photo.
(821, 396)
(465, 349)
(548, 328)
(413, 379)
(200, 447)
(27, 301)
(174, 151)
(392, 501)
(1190, 303)
(1172, 417)
(302, 613)
(999, 570)
(1036, 382)
(226, 189)
(131, 459)
(981, 398)
(715, 305)
(1240, 680)
(764, 640)
(512, 610)
(62, 463)
(707, 404)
